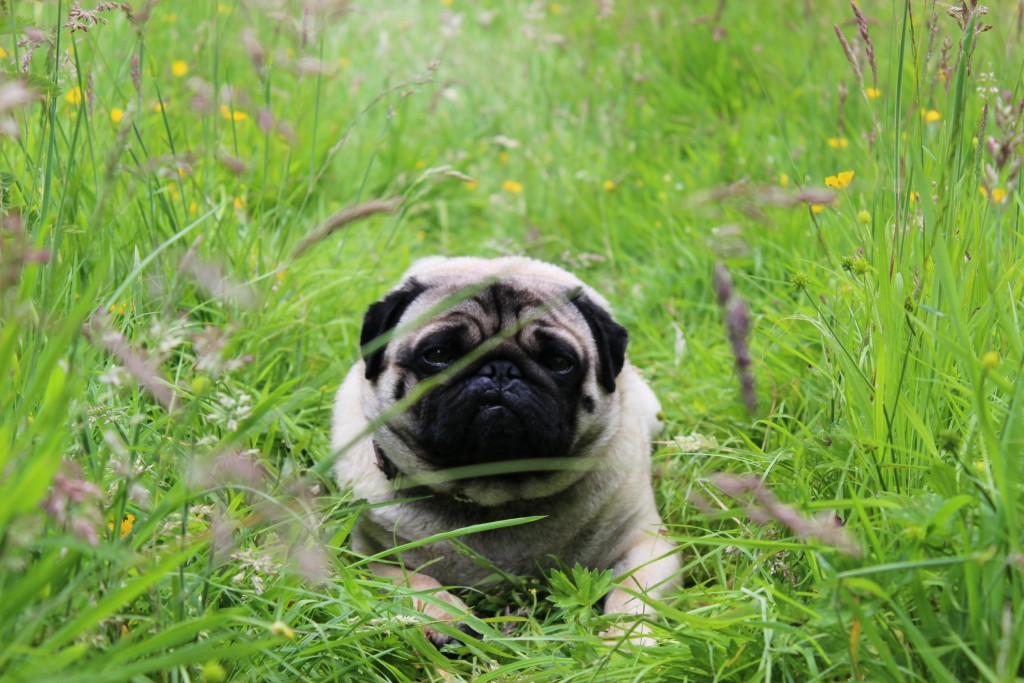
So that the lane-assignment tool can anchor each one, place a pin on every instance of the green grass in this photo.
(638, 149)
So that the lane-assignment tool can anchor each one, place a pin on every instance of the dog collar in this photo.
(384, 462)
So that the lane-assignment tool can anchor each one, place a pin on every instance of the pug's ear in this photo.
(380, 319)
(610, 337)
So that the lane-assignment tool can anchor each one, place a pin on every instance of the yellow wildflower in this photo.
(931, 116)
(232, 115)
(3, 53)
(998, 195)
(512, 186)
(503, 157)
(840, 181)
(609, 185)
(990, 360)
(838, 143)
(555, 8)
(179, 67)
(116, 115)
(983, 191)
(864, 216)
(472, 184)
(170, 18)
(279, 628)
(158, 107)
(873, 93)
(784, 179)
(447, 3)
(74, 96)
(239, 203)
(420, 164)
(817, 208)
(126, 525)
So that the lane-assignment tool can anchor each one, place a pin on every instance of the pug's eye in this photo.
(438, 356)
(558, 363)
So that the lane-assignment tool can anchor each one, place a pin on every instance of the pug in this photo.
(496, 389)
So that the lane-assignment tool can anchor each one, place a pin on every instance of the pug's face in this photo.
(514, 362)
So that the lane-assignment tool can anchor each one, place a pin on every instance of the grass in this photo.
(167, 364)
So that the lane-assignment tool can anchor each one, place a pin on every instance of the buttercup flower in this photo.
(126, 525)
(873, 93)
(838, 143)
(232, 115)
(840, 181)
(512, 186)
(74, 96)
(179, 68)
(116, 115)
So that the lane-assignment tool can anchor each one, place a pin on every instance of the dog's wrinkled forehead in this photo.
(486, 309)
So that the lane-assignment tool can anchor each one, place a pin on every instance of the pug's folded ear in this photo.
(382, 317)
(610, 337)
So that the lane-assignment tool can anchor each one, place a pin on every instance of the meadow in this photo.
(815, 243)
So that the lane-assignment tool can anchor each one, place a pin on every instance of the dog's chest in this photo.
(576, 528)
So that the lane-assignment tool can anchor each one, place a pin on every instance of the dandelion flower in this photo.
(840, 181)
(998, 195)
(232, 115)
(609, 185)
(116, 115)
(512, 186)
(838, 143)
(873, 93)
(74, 96)
(179, 68)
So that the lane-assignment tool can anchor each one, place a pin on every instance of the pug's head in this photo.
(506, 369)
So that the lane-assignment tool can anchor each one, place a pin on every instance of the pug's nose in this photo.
(501, 369)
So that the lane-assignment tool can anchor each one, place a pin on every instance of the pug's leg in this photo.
(427, 584)
(652, 569)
